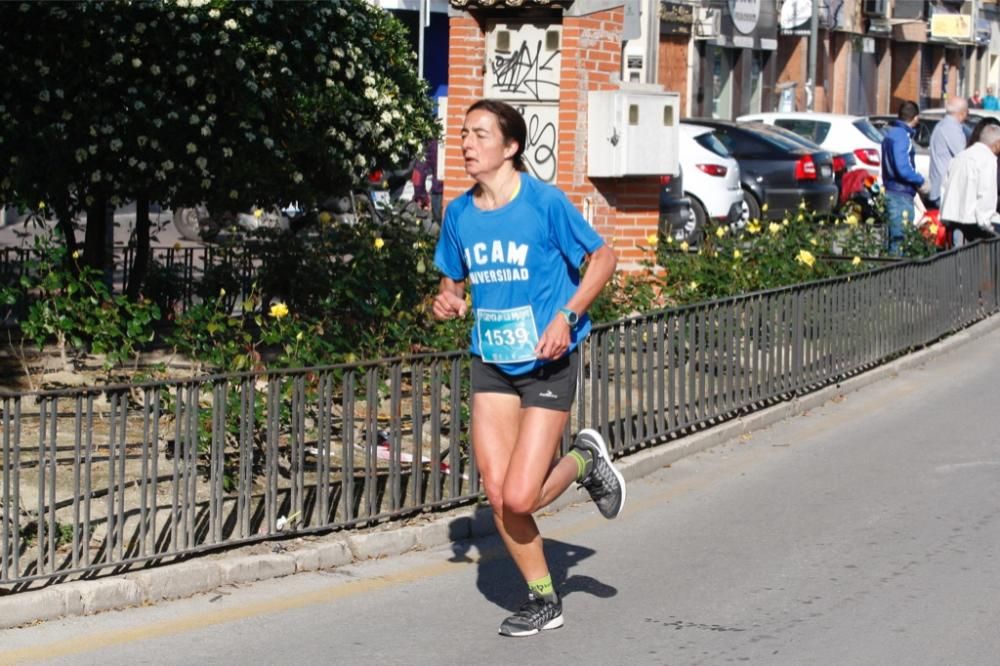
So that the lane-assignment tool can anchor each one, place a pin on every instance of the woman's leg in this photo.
(515, 449)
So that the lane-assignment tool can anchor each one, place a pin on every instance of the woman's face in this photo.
(483, 147)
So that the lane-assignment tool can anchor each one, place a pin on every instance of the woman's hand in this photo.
(450, 301)
(555, 340)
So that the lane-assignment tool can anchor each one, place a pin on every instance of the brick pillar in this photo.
(466, 56)
(625, 211)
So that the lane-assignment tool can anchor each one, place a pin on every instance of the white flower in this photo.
(168, 165)
(116, 145)
(233, 194)
(142, 140)
(371, 93)
(329, 83)
(360, 160)
(268, 143)
(43, 96)
(386, 117)
(202, 163)
(206, 131)
(191, 149)
(206, 183)
(155, 70)
(230, 24)
(80, 155)
(117, 59)
(227, 152)
(137, 63)
(240, 64)
(95, 177)
(190, 80)
(297, 177)
(142, 166)
(194, 119)
(214, 13)
(66, 115)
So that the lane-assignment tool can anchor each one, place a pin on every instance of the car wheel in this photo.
(699, 219)
(195, 224)
(752, 205)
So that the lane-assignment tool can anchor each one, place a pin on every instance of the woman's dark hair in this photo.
(511, 125)
(978, 129)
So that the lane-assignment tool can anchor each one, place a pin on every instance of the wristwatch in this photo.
(572, 318)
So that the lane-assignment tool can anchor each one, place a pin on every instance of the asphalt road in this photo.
(863, 532)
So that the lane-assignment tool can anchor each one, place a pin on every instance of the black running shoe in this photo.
(537, 614)
(604, 483)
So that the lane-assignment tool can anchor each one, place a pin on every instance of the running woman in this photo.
(519, 244)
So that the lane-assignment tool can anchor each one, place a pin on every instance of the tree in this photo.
(234, 104)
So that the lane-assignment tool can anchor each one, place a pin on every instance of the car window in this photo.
(755, 137)
(711, 141)
(924, 130)
(866, 128)
(813, 130)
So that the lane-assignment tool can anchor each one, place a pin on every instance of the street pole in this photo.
(424, 15)
(813, 39)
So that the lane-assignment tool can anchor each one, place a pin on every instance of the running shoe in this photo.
(537, 614)
(604, 483)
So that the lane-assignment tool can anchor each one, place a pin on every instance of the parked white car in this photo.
(836, 132)
(711, 177)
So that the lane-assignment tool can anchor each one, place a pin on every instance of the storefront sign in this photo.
(749, 24)
(676, 18)
(951, 26)
(745, 14)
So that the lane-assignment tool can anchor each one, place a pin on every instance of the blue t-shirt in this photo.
(522, 262)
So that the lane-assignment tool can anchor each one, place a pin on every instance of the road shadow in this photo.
(499, 581)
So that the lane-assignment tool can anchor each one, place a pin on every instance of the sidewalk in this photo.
(283, 558)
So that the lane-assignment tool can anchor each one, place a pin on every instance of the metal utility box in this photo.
(632, 133)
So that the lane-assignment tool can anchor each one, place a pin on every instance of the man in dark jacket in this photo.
(899, 176)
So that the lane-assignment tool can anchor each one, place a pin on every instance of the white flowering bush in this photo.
(235, 104)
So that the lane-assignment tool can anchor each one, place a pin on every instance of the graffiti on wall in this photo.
(523, 69)
(541, 151)
(523, 62)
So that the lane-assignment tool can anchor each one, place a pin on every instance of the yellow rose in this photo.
(774, 227)
(801, 217)
(720, 232)
(41, 205)
(670, 240)
(298, 336)
(325, 218)
(651, 239)
(805, 257)
(763, 208)
(737, 254)
(379, 243)
(856, 261)
(693, 285)
(684, 246)
(802, 205)
(258, 213)
(76, 254)
(813, 241)
(753, 227)
(279, 310)
(851, 219)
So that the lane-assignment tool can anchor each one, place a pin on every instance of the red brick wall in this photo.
(673, 66)
(905, 74)
(793, 53)
(466, 57)
(624, 211)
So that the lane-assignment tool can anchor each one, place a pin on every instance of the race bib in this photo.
(507, 336)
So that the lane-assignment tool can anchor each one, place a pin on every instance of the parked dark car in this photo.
(676, 218)
(776, 169)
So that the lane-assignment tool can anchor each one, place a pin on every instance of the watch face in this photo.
(571, 317)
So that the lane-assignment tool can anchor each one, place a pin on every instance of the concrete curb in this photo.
(191, 577)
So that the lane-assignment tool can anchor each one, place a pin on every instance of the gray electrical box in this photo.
(632, 133)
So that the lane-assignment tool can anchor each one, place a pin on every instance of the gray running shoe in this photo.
(537, 614)
(604, 483)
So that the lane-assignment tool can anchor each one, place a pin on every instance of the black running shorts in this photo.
(551, 386)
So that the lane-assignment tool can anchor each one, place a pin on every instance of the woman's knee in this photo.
(519, 499)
